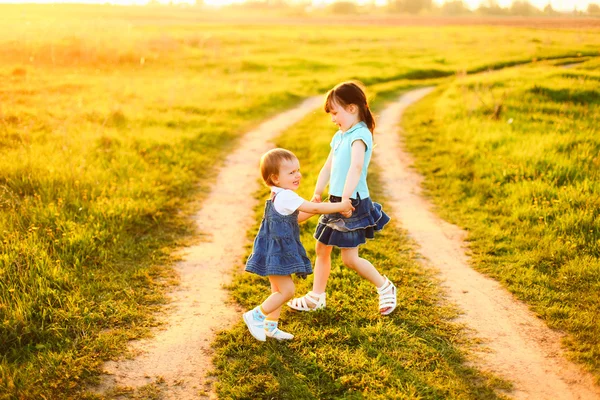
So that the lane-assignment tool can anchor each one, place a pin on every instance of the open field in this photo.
(112, 123)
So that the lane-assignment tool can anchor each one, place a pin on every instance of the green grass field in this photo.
(526, 186)
(114, 120)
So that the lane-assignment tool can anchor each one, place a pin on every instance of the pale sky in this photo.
(560, 5)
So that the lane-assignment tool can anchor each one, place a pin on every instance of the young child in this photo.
(346, 172)
(278, 252)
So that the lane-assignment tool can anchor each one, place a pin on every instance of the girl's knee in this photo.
(349, 260)
(322, 249)
(351, 266)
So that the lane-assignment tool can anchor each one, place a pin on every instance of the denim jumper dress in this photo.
(277, 247)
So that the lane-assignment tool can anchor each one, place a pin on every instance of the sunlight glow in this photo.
(559, 5)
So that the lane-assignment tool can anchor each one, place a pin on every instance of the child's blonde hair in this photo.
(270, 162)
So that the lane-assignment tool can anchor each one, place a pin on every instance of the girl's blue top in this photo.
(341, 144)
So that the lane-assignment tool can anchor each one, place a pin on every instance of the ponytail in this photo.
(368, 118)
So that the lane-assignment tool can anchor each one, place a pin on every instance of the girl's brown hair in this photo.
(271, 161)
(347, 93)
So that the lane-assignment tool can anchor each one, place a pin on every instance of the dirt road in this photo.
(177, 358)
(517, 345)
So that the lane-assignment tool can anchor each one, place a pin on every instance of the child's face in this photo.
(289, 175)
(344, 118)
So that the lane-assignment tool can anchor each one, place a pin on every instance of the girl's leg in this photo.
(385, 288)
(315, 299)
(322, 267)
(363, 267)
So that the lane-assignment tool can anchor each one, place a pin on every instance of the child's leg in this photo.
(322, 267)
(385, 288)
(282, 290)
(266, 315)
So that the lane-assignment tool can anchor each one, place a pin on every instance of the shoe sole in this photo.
(309, 310)
(249, 325)
(388, 312)
(280, 340)
(321, 307)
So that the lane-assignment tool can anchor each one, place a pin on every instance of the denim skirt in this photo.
(366, 219)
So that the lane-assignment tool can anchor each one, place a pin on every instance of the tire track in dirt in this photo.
(517, 345)
(178, 356)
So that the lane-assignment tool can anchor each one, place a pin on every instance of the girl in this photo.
(278, 252)
(346, 172)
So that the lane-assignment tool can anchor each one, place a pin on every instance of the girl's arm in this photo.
(323, 178)
(357, 159)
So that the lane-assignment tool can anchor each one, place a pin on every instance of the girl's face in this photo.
(289, 175)
(344, 118)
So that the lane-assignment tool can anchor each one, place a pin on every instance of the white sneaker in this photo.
(279, 334)
(255, 326)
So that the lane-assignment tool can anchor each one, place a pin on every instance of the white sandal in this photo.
(387, 297)
(301, 303)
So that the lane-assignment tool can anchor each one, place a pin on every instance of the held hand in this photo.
(316, 198)
(348, 208)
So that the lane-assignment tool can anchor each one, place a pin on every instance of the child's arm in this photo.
(303, 216)
(357, 159)
(309, 208)
(323, 179)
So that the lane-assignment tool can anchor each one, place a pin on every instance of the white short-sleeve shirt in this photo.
(286, 201)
